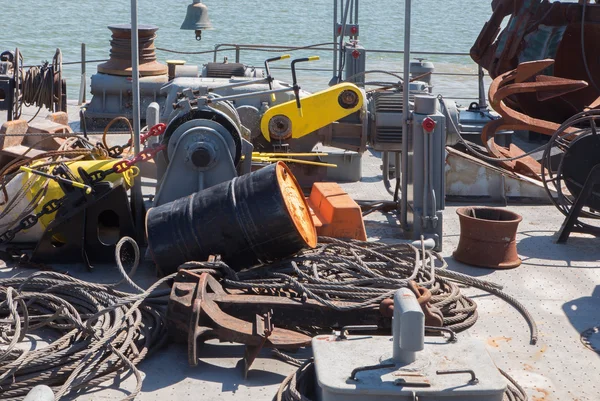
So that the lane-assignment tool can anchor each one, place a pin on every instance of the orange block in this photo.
(335, 214)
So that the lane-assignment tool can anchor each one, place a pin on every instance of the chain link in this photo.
(95, 176)
(118, 150)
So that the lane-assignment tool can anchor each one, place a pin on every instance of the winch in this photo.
(204, 147)
(405, 367)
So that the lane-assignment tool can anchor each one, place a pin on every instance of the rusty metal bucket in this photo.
(488, 237)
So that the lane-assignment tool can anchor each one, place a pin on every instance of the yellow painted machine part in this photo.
(55, 192)
(318, 110)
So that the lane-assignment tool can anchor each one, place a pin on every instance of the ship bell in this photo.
(197, 19)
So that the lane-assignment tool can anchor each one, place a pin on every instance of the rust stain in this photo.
(529, 368)
(541, 352)
(493, 341)
(543, 397)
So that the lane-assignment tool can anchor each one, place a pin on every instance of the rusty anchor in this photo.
(201, 309)
(514, 82)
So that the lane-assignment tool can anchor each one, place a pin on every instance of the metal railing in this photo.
(239, 48)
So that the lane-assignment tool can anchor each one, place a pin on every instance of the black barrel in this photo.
(256, 218)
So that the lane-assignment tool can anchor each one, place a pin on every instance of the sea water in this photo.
(38, 28)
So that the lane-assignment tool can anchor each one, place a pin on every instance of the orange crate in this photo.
(335, 214)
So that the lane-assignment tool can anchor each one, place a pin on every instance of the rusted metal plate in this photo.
(526, 165)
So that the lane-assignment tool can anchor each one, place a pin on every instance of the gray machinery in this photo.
(216, 114)
(11, 76)
(218, 119)
(204, 148)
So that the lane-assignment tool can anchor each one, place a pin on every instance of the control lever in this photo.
(86, 188)
(269, 77)
(295, 80)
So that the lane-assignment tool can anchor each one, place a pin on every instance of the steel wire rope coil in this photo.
(102, 332)
(357, 275)
(360, 274)
(554, 180)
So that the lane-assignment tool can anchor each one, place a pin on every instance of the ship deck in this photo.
(558, 284)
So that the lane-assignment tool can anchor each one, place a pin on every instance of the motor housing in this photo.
(204, 148)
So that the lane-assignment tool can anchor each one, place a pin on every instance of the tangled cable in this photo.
(102, 333)
(361, 274)
(300, 385)
(37, 86)
(42, 85)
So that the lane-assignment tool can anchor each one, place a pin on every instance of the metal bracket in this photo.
(474, 380)
(263, 328)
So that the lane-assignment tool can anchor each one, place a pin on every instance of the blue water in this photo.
(38, 28)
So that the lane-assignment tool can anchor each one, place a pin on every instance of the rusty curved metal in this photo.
(519, 81)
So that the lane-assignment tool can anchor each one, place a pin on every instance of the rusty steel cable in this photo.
(301, 385)
(40, 84)
(110, 124)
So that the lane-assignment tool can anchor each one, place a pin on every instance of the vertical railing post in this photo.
(405, 117)
(136, 192)
(335, 48)
(82, 87)
(482, 97)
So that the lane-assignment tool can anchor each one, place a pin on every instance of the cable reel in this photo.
(576, 178)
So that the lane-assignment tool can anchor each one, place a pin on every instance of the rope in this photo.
(103, 332)
(358, 274)
(300, 385)
(97, 340)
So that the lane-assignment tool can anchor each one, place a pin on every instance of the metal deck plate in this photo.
(335, 359)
